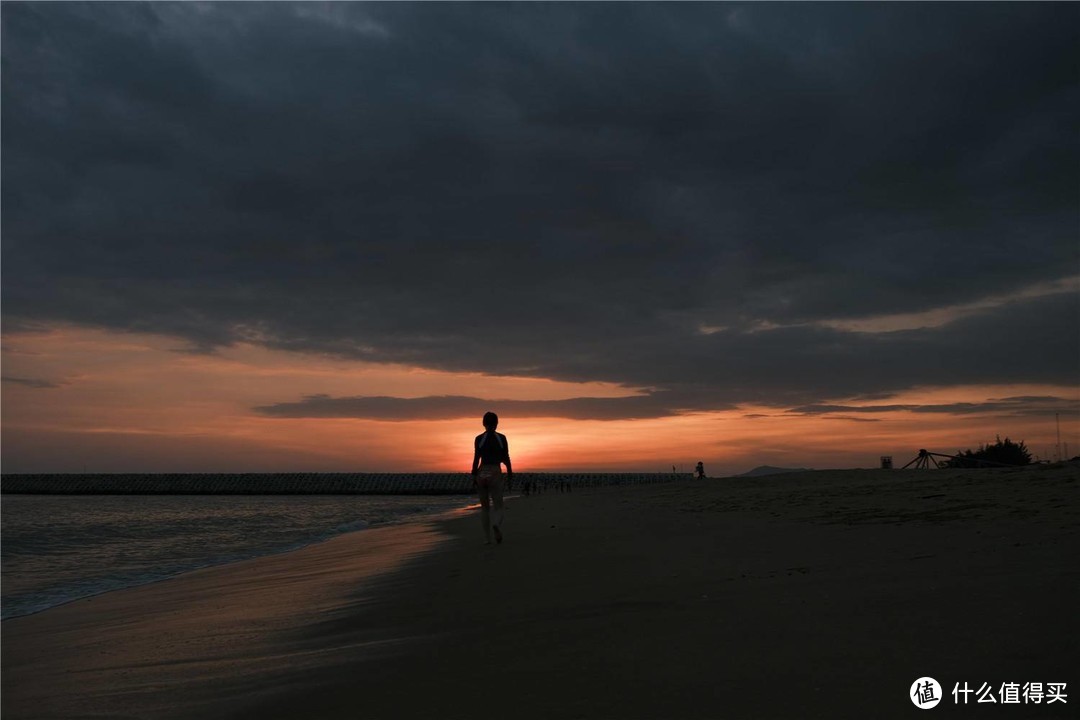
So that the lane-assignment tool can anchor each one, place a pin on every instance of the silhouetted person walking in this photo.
(490, 452)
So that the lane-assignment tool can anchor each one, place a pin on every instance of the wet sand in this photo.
(820, 594)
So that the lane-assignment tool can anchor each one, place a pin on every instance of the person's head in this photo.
(491, 420)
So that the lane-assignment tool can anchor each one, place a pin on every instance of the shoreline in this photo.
(239, 616)
(291, 484)
(135, 579)
(821, 595)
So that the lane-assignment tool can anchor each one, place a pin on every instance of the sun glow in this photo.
(79, 400)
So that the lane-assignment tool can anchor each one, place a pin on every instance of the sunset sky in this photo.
(327, 237)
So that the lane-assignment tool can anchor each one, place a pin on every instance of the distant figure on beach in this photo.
(490, 452)
(699, 470)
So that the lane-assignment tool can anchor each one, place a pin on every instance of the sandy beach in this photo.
(822, 594)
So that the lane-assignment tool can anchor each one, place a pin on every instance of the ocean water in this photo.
(55, 549)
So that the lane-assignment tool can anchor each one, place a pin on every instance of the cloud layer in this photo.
(686, 199)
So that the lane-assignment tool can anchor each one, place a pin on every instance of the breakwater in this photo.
(307, 483)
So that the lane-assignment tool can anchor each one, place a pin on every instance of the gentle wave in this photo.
(57, 549)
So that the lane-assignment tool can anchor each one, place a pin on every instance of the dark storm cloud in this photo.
(796, 364)
(569, 191)
(36, 383)
(447, 407)
(1023, 406)
(845, 418)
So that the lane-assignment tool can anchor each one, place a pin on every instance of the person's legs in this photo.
(497, 499)
(483, 485)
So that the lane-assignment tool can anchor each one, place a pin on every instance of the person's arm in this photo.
(475, 459)
(506, 460)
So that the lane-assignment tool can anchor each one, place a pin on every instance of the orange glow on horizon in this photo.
(133, 403)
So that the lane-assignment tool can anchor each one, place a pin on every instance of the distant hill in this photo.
(770, 470)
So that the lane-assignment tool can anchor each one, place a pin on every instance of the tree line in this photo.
(1002, 452)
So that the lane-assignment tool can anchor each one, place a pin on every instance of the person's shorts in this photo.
(489, 475)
